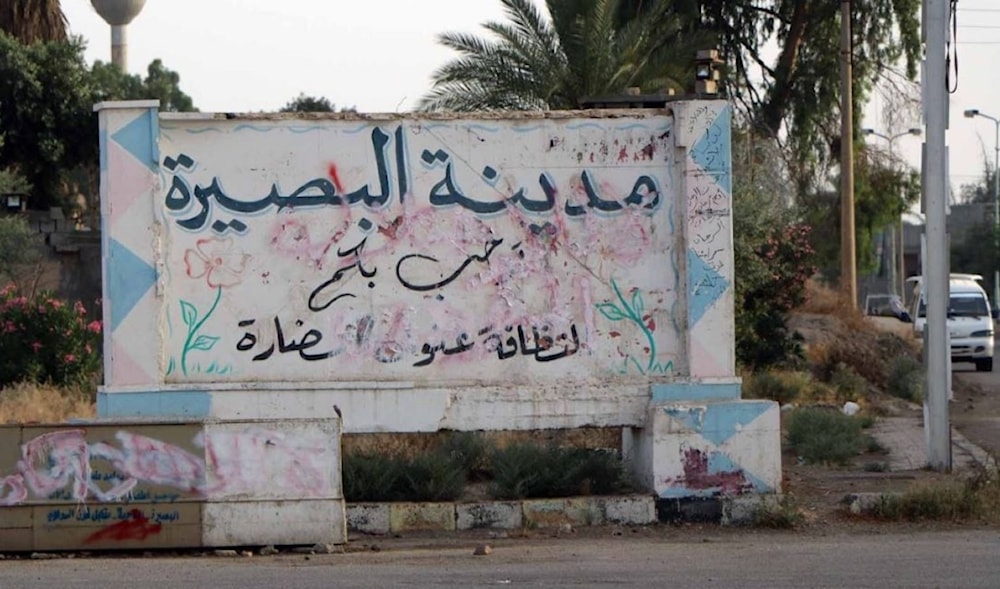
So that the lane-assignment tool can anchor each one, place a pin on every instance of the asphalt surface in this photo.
(966, 559)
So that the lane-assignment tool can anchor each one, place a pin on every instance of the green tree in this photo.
(160, 83)
(45, 111)
(30, 21)
(303, 103)
(584, 48)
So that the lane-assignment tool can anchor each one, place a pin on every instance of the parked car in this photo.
(886, 305)
(970, 319)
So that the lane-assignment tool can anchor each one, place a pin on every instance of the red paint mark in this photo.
(332, 170)
(650, 322)
(591, 157)
(391, 229)
(623, 155)
(614, 333)
(648, 151)
(698, 476)
(136, 527)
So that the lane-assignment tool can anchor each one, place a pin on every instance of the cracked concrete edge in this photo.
(629, 510)
(388, 518)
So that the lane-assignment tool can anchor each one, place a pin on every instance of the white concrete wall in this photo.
(415, 272)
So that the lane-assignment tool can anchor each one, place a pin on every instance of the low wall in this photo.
(170, 484)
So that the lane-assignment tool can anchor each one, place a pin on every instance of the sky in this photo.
(379, 55)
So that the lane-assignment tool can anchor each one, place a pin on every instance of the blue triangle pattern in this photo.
(712, 152)
(137, 138)
(717, 422)
(720, 463)
(706, 287)
(129, 278)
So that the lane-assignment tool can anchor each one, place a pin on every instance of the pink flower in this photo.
(79, 308)
(56, 303)
(69, 358)
(36, 346)
(94, 326)
(86, 349)
(215, 260)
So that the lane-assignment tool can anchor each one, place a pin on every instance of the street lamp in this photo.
(970, 114)
(901, 259)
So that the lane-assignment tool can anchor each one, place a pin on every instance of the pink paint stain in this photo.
(136, 527)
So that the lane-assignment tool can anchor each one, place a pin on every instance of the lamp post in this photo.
(891, 139)
(970, 114)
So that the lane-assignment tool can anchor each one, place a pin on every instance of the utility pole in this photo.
(848, 265)
(935, 186)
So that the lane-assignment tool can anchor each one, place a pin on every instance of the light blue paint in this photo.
(712, 152)
(720, 463)
(259, 129)
(137, 138)
(717, 422)
(483, 128)
(695, 391)
(203, 130)
(631, 127)
(528, 129)
(705, 287)
(686, 493)
(155, 404)
(575, 126)
(128, 279)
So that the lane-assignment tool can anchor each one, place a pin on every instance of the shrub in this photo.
(933, 503)
(43, 339)
(820, 436)
(433, 477)
(783, 387)
(530, 470)
(906, 378)
(372, 477)
(850, 385)
(470, 451)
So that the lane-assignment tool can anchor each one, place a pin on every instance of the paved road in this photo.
(967, 559)
(977, 414)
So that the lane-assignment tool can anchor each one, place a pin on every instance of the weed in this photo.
(470, 451)
(849, 385)
(821, 436)
(31, 403)
(433, 477)
(873, 446)
(372, 477)
(530, 470)
(906, 379)
(951, 502)
(876, 467)
(783, 515)
(783, 387)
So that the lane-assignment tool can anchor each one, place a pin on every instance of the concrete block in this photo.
(413, 517)
(636, 510)
(553, 513)
(368, 518)
(496, 515)
(255, 523)
(715, 448)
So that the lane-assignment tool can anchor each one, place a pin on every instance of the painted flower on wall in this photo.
(216, 260)
(221, 266)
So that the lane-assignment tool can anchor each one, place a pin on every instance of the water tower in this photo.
(118, 13)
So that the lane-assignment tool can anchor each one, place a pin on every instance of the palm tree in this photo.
(584, 48)
(29, 21)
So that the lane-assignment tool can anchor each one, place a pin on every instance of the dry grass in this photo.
(32, 403)
(821, 300)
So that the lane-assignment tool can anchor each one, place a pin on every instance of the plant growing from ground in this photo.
(949, 502)
(529, 470)
(781, 386)
(783, 515)
(906, 379)
(824, 436)
(43, 339)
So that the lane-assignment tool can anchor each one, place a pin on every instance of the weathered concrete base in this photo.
(145, 485)
(726, 447)
(727, 511)
(384, 518)
(391, 406)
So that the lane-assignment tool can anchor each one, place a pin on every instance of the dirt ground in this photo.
(819, 490)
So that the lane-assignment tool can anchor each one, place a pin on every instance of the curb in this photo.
(629, 510)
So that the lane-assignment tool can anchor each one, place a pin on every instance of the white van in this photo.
(970, 319)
